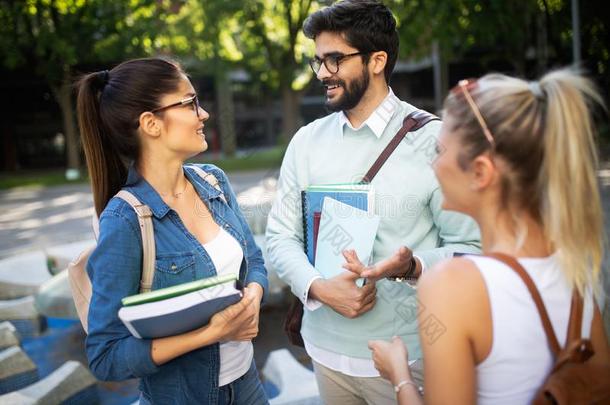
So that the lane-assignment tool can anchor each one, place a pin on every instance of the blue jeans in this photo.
(246, 390)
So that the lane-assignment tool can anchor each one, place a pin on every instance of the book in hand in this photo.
(357, 195)
(178, 309)
(343, 227)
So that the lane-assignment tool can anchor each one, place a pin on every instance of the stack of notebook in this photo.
(178, 309)
(338, 217)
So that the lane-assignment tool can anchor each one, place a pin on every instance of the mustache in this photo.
(327, 82)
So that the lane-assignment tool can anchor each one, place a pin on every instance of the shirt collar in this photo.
(379, 118)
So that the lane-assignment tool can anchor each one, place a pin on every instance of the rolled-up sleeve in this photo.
(115, 268)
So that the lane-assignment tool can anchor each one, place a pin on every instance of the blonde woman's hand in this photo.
(391, 359)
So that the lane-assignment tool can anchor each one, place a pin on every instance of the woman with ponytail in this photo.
(139, 122)
(519, 157)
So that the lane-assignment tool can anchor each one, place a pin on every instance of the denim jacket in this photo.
(115, 269)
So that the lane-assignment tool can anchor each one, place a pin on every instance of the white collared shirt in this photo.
(379, 118)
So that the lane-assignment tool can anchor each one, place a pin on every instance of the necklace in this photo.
(177, 195)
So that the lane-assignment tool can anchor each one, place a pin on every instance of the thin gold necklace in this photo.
(177, 195)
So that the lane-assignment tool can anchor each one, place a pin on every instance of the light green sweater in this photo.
(408, 199)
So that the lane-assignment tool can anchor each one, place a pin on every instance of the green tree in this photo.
(55, 36)
(202, 33)
(276, 50)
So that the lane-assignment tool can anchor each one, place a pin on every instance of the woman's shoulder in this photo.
(457, 271)
(454, 292)
(118, 213)
(454, 280)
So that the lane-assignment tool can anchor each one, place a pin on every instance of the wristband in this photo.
(403, 383)
(408, 274)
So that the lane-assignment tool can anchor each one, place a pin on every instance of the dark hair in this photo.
(367, 25)
(109, 104)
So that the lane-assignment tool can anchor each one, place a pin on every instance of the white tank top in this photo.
(235, 357)
(520, 357)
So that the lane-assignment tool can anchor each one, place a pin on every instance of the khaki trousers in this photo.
(340, 389)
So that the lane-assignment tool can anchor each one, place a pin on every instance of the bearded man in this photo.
(356, 45)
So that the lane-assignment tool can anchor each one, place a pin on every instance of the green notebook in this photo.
(179, 289)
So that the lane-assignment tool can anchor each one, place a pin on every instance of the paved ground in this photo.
(38, 218)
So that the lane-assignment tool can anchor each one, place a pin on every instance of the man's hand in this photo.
(394, 266)
(343, 295)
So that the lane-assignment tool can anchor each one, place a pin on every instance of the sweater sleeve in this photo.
(285, 227)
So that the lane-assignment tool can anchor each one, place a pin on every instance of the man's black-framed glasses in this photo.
(192, 101)
(331, 62)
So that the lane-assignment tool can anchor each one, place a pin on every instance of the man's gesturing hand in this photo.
(396, 265)
(343, 295)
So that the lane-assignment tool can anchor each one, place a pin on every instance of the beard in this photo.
(352, 93)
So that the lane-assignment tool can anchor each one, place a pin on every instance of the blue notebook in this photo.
(179, 314)
(359, 196)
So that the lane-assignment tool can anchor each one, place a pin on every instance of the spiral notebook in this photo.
(357, 195)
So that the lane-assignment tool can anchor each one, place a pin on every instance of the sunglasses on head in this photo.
(463, 88)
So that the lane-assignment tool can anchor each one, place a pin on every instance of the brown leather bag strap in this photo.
(575, 324)
(529, 283)
(412, 122)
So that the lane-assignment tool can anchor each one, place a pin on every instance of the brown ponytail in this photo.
(106, 169)
(108, 106)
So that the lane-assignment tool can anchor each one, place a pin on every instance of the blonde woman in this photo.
(519, 158)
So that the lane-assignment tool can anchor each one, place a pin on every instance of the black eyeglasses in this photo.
(331, 62)
(193, 101)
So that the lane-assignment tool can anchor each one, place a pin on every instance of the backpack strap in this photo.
(529, 283)
(148, 238)
(576, 314)
(210, 179)
(412, 122)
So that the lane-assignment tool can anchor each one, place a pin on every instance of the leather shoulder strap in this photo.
(148, 238)
(576, 314)
(412, 122)
(529, 283)
(210, 179)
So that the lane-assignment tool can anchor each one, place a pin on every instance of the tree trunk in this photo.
(9, 148)
(542, 53)
(63, 95)
(291, 116)
(225, 113)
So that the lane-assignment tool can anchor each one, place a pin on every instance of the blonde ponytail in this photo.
(544, 132)
(571, 207)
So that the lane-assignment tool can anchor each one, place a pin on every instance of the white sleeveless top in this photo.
(520, 357)
(235, 357)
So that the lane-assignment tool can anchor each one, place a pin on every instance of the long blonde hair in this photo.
(544, 132)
